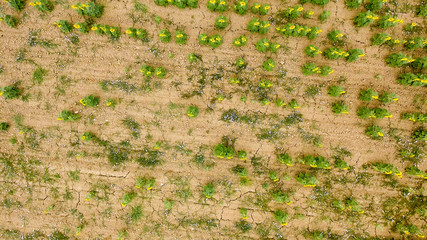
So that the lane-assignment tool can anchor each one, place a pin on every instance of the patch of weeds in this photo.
(38, 75)
(243, 226)
(74, 175)
(149, 158)
(311, 138)
(293, 118)
(135, 214)
(182, 186)
(312, 91)
(133, 126)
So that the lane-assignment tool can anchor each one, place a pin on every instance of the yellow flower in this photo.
(81, 101)
(128, 32)
(83, 137)
(381, 134)
(267, 25)
(138, 32)
(162, 35)
(319, 31)
(38, 3)
(256, 23)
(108, 103)
(221, 20)
(387, 38)
(413, 24)
(267, 7)
(32, 4)
(257, 6)
(112, 30)
(310, 13)
(300, 9)
(243, 39)
(390, 19)
(76, 26)
(339, 35)
(396, 41)
(212, 1)
(292, 27)
(375, 18)
(59, 119)
(242, 4)
(74, 6)
(222, 3)
(94, 28)
(369, 16)
(330, 72)
(266, 44)
(361, 55)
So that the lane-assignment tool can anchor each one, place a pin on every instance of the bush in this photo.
(10, 92)
(64, 25)
(192, 111)
(10, 20)
(165, 36)
(242, 155)
(306, 179)
(380, 38)
(368, 95)
(17, 5)
(398, 60)
(260, 9)
(90, 101)
(221, 22)
(381, 113)
(335, 53)
(352, 4)
(414, 43)
(312, 50)
(241, 7)
(310, 68)
(375, 132)
(364, 19)
(90, 9)
(365, 113)
(374, 5)
(335, 36)
(386, 168)
(316, 162)
(215, 41)
(387, 97)
(181, 37)
(68, 116)
(414, 171)
(335, 91)
(415, 117)
(324, 16)
(83, 27)
(339, 107)
(42, 5)
(263, 45)
(269, 65)
(420, 63)
(139, 33)
(293, 12)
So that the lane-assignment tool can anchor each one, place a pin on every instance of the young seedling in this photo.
(285, 159)
(127, 198)
(281, 217)
(208, 190)
(192, 111)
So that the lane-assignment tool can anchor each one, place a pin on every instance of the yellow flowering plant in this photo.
(90, 9)
(241, 7)
(42, 5)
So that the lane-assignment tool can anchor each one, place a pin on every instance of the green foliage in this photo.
(281, 197)
(192, 57)
(127, 198)
(68, 116)
(414, 171)
(353, 205)
(324, 16)
(90, 101)
(292, 12)
(241, 7)
(244, 213)
(415, 117)
(388, 21)
(335, 53)
(364, 19)
(293, 104)
(83, 27)
(10, 20)
(149, 158)
(281, 217)
(181, 37)
(420, 134)
(208, 190)
(415, 43)
(165, 36)
(312, 50)
(386, 168)
(422, 10)
(368, 95)
(380, 38)
(135, 214)
(420, 63)
(285, 158)
(17, 5)
(387, 97)
(320, 2)
(263, 45)
(398, 59)
(296, 30)
(365, 113)
(139, 33)
(222, 151)
(111, 31)
(243, 226)
(335, 36)
(325, 70)
(146, 183)
(240, 170)
(263, 9)
(352, 4)
(4, 126)
(316, 162)
(341, 164)
(269, 65)
(339, 107)
(335, 91)
(374, 5)
(217, 5)
(257, 26)
(375, 132)
(42, 5)
(354, 54)
(221, 22)
(90, 9)
(58, 235)
(215, 41)
(242, 155)
(409, 229)
(10, 92)
(192, 111)
(133, 126)
(240, 41)
(310, 68)
(88, 136)
(306, 179)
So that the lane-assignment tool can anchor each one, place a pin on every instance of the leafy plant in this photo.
(415, 117)
(281, 197)
(88, 136)
(420, 63)
(415, 43)
(412, 79)
(127, 198)
(364, 19)
(319, 2)
(181, 37)
(192, 111)
(365, 113)
(263, 45)
(111, 31)
(90, 9)
(147, 71)
(215, 41)
(420, 134)
(208, 190)
(241, 7)
(281, 217)
(335, 91)
(10, 92)
(375, 132)
(388, 21)
(160, 72)
(293, 12)
(335, 36)
(374, 5)
(387, 97)
(147, 183)
(263, 9)
(240, 41)
(334, 53)
(324, 16)
(293, 104)
(353, 205)
(306, 179)
(243, 226)
(422, 10)
(381, 113)
(165, 36)
(240, 170)
(90, 101)
(312, 50)
(42, 5)
(17, 5)
(368, 95)
(244, 213)
(386, 168)
(257, 26)
(269, 64)
(139, 33)
(4, 126)
(217, 5)
(310, 68)
(10, 20)
(308, 14)
(221, 151)
(242, 155)
(67, 116)
(352, 4)
(354, 54)
(341, 164)
(380, 38)
(82, 27)
(398, 60)
(339, 107)
(192, 57)
(414, 171)
(221, 22)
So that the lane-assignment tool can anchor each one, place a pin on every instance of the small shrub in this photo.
(222, 151)
(312, 50)
(241, 7)
(398, 60)
(208, 190)
(368, 95)
(352, 4)
(269, 64)
(82, 27)
(388, 21)
(221, 22)
(420, 134)
(127, 198)
(387, 97)
(380, 39)
(217, 5)
(10, 20)
(324, 16)
(17, 5)
(240, 41)
(364, 19)
(281, 217)
(4, 126)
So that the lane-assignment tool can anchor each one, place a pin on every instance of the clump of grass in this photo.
(133, 126)
(38, 75)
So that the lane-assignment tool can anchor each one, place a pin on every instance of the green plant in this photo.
(415, 117)
(352, 4)
(387, 97)
(111, 31)
(381, 113)
(4, 126)
(398, 59)
(364, 19)
(241, 7)
(90, 101)
(208, 190)
(139, 33)
(374, 5)
(160, 72)
(244, 213)
(293, 104)
(319, 2)
(192, 57)
(414, 171)
(375, 132)
(221, 22)
(192, 111)
(306, 179)
(386, 168)
(324, 16)
(147, 183)
(88, 136)
(240, 170)
(339, 107)
(222, 151)
(127, 198)
(263, 45)
(341, 164)
(335, 91)
(412, 79)
(420, 63)
(335, 53)
(83, 27)
(240, 41)
(269, 65)
(380, 38)
(388, 21)
(310, 68)
(217, 5)
(243, 226)
(273, 176)
(420, 134)
(242, 155)
(368, 95)
(422, 10)
(353, 205)
(90, 9)
(67, 116)
(312, 50)
(147, 71)
(263, 9)
(10, 92)
(10, 20)
(181, 37)
(17, 5)
(165, 36)
(365, 113)
(326, 70)
(409, 229)
(42, 5)
(255, 25)
(415, 43)
(281, 197)
(293, 12)
(308, 14)
(354, 54)
(335, 36)
(215, 41)
(281, 217)
(316, 162)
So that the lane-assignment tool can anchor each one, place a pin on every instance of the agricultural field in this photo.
(213, 119)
